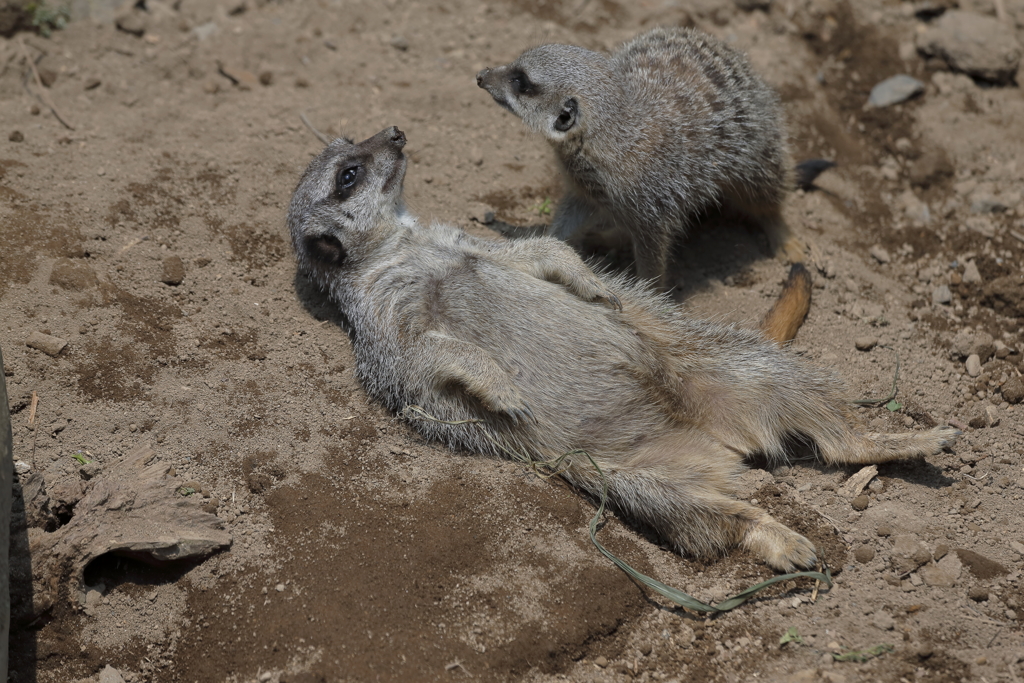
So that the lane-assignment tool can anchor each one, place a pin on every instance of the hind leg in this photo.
(682, 485)
(873, 448)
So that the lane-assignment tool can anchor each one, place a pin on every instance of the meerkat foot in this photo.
(593, 289)
(507, 400)
(779, 546)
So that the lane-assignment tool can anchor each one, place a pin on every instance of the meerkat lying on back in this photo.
(518, 339)
(651, 137)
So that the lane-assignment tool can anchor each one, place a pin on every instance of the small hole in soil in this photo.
(113, 569)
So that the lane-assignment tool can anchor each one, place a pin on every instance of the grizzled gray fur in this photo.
(672, 124)
(528, 350)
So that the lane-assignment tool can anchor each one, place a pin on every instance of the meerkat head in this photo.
(550, 88)
(349, 195)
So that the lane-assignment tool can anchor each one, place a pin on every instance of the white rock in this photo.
(980, 46)
(971, 274)
(973, 365)
(110, 675)
(883, 621)
(894, 90)
(942, 295)
(879, 253)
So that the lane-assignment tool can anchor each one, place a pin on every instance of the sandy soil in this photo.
(359, 552)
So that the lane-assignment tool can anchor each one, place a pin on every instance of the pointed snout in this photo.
(387, 138)
(480, 78)
(396, 137)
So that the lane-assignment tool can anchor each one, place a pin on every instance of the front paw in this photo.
(509, 401)
(593, 289)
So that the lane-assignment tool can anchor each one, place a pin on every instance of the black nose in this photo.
(480, 77)
(397, 137)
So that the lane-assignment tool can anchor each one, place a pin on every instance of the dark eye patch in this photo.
(521, 84)
(326, 250)
(347, 179)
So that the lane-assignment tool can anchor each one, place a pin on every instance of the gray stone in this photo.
(1013, 390)
(971, 274)
(942, 295)
(980, 46)
(986, 203)
(973, 365)
(879, 254)
(934, 575)
(174, 271)
(864, 554)
(48, 344)
(894, 90)
(865, 343)
(110, 675)
(884, 621)
(983, 345)
(962, 343)
(982, 225)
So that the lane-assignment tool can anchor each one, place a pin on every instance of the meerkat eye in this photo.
(567, 117)
(521, 85)
(347, 177)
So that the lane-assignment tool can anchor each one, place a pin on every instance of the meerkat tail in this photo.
(782, 322)
(808, 171)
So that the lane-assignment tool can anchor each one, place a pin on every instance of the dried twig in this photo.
(43, 95)
(32, 410)
(323, 138)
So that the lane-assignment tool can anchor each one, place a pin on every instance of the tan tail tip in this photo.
(783, 321)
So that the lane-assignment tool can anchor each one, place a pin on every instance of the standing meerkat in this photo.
(649, 138)
(510, 356)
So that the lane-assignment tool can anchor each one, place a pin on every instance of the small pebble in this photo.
(978, 593)
(16, 136)
(860, 503)
(884, 530)
(894, 90)
(879, 254)
(864, 554)
(601, 661)
(400, 43)
(865, 343)
(266, 77)
(883, 621)
(971, 274)
(973, 365)
(93, 83)
(942, 295)
(279, 588)
(173, 271)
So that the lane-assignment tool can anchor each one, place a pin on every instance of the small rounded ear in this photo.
(326, 250)
(567, 117)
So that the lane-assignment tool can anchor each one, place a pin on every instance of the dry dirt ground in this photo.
(359, 552)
